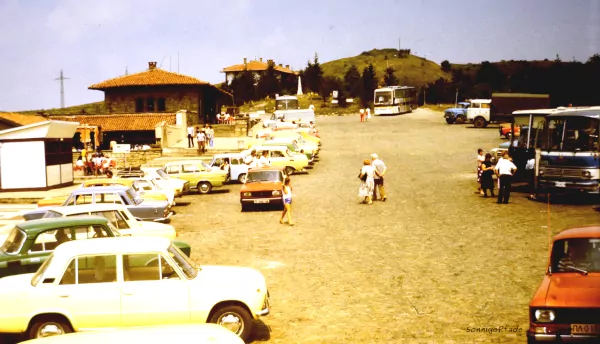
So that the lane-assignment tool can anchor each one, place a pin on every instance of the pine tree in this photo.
(313, 75)
(268, 84)
(353, 82)
(369, 83)
(390, 79)
(242, 87)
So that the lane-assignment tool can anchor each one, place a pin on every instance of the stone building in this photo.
(257, 68)
(159, 91)
(9, 120)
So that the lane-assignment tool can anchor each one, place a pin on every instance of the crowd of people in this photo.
(504, 169)
(371, 180)
(204, 136)
(365, 114)
(94, 163)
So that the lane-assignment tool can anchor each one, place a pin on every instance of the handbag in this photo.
(363, 178)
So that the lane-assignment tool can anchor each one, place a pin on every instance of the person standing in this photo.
(368, 114)
(505, 169)
(487, 179)
(362, 115)
(480, 160)
(287, 202)
(367, 184)
(190, 136)
(201, 138)
(211, 136)
(380, 168)
(264, 159)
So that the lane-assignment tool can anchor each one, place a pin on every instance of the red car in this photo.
(505, 131)
(566, 305)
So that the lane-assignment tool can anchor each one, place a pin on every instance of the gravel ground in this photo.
(428, 265)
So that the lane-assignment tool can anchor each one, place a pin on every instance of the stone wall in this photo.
(134, 158)
(122, 100)
(231, 130)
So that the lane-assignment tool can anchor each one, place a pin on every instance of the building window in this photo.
(161, 105)
(139, 105)
(150, 104)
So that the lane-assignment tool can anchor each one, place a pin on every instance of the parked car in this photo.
(146, 210)
(457, 114)
(263, 186)
(201, 176)
(294, 146)
(119, 216)
(164, 181)
(29, 243)
(566, 305)
(506, 131)
(129, 282)
(283, 157)
(237, 168)
(201, 333)
(302, 137)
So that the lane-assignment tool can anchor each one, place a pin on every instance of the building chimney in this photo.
(151, 65)
(261, 59)
(245, 60)
(280, 65)
(287, 66)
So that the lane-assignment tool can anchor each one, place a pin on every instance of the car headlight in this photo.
(247, 194)
(544, 315)
(586, 174)
(276, 193)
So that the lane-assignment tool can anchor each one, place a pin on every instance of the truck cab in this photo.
(457, 114)
(479, 112)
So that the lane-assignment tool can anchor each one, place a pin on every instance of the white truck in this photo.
(500, 108)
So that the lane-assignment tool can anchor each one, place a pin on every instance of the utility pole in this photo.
(62, 89)
(456, 100)
(126, 71)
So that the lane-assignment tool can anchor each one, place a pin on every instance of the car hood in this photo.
(573, 290)
(15, 283)
(455, 110)
(261, 186)
(233, 276)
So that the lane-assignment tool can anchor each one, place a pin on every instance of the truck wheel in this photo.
(461, 119)
(480, 122)
(449, 120)
(204, 187)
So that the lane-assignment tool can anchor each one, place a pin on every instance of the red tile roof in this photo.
(256, 66)
(122, 122)
(150, 77)
(18, 119)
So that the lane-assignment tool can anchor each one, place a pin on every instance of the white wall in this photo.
(23, 165)
(59, 174)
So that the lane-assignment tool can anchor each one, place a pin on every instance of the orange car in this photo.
(263, 186)
(566, 305)
(505, 130)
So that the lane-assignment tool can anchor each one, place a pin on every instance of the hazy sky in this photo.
(94, 40)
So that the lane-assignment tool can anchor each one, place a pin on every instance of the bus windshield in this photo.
(383, 97)
(287, 104)
(572, 134)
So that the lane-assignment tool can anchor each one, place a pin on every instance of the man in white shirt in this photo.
(201, 138)
(505, 169)
(264, 159)
(191, 134)
(380, 168)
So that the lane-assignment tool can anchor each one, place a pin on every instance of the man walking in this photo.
(201, 138)
(380, 168)
(190, 133)
(505, 169)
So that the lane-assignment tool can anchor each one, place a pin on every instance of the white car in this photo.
(128, 282)
(143, 185)
(164, 181)
(119, 216)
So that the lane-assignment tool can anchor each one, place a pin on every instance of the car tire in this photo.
(461, 119)
(479, 122)
(449, 120)
(229, 315)
(289, 170)
(55, 324)
(204, 188)
(242, 178)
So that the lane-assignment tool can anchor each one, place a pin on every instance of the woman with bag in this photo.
(367, 182)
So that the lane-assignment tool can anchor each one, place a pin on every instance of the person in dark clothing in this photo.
(487, 179)
(505, 169)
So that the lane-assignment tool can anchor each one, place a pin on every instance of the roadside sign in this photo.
(334, 101)
(335, 94)
(122, 148)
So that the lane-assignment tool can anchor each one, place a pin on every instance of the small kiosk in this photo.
(38, 156)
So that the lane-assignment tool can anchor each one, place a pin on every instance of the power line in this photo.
(62, 78)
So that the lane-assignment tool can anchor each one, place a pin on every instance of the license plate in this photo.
(560, 184)
(261, 201)
(585, 329)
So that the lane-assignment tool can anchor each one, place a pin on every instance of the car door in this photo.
(153, 292)
(278, 158)
(89, 291)
(173, 170)
(236, 167)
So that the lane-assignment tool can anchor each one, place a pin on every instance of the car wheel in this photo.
(48, 326)
(461, 119)
(242, 178)
(235, 318)
(289, 170)
(480, 122)
(449, 120)
(204, 187)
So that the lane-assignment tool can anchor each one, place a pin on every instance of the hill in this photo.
(90, 108)
(410, 70)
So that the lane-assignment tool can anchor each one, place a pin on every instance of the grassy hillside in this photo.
(410, 71)
(90, 108)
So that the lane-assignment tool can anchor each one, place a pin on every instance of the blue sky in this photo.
(94, 40)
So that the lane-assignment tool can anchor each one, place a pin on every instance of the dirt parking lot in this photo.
(428, 265)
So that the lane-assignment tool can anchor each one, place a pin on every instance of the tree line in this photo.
(246, 86)
(567, 83)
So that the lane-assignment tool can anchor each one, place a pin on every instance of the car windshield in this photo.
(40, 272)
(50, 214)
(576, 255)
(114, 229)
(573, 134)
(264, 176)
(189, 268)
(206, 166)
(133, 195)
(163, 174)
(296, 146)
(14, 241)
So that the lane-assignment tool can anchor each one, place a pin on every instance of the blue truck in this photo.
(457, 114)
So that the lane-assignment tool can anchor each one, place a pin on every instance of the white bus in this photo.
(393, 100)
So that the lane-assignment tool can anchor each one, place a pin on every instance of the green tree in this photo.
(446, 66)
(369, 83)
(242, 87)
(268, 84)
(390, 79)
(313, 75)
(353, 82)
